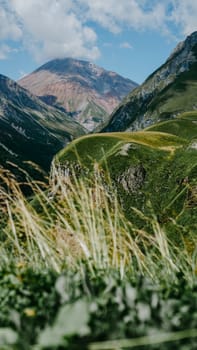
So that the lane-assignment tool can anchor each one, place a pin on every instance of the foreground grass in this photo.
(79, 221)
(45, 310)
(75, 272)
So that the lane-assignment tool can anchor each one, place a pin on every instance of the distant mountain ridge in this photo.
(30, 130)
(88, 92)
(167, 92)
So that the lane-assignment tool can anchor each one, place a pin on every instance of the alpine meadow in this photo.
(98, 185)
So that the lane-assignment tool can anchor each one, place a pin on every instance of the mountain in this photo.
(30, 130)
(87, 91)
(169, 91)
(153, 171)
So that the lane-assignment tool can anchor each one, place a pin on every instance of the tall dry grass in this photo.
(76, 222)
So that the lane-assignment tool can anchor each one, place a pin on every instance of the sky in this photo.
(130, 37)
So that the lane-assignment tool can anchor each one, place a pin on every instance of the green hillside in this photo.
(184, 126)
(98, 147)
(153, 171)
(177, 97)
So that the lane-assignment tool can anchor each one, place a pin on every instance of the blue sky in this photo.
(130, 37)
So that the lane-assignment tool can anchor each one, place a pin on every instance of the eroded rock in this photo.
(132, 178)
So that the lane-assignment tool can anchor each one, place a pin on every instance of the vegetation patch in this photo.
(104, 255)
(155, 175)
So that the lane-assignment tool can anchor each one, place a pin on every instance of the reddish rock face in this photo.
(87, 91)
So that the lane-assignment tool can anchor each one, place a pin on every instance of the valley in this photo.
(100, 252)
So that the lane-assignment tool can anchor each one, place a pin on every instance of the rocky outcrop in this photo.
(132, 178)
(89, 93)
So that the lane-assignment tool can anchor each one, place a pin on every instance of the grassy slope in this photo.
(98, 147)
(185, 126)
(177, 97)
(166, 164)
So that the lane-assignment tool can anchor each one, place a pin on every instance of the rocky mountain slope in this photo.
(30, 130)
(170, 90)
(87, 91)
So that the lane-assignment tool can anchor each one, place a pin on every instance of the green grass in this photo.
(70, 250)
(189, 115)
(112, 238)
(174, 101)
(168, 162)
(114, 313)
(185, 126)
(178, 97)
(97, 147)
(81, 221)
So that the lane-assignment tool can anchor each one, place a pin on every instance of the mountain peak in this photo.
(71, 66)
(187, 45)
(62, 65)
(90, 93)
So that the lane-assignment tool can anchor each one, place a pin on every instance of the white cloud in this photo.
(9, 28)
(5, 50)
(52, 29)
(185, 15)
(126, 45)
(60, 28)
(143, 14)
(113, 14)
